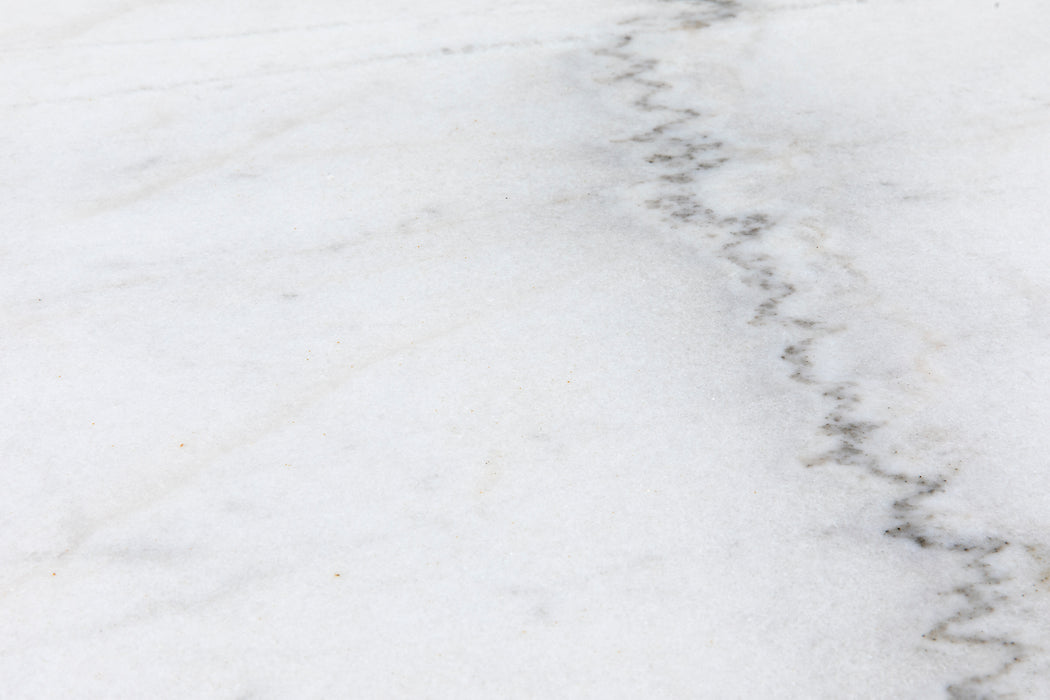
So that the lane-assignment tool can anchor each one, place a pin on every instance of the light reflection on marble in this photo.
(472, 349)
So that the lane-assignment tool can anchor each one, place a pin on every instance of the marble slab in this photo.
(465, 349)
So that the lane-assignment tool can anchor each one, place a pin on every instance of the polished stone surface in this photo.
(635, 348)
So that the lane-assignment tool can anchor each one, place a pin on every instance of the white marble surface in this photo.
(634, 348)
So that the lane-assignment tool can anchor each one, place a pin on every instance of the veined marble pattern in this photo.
(657, 348)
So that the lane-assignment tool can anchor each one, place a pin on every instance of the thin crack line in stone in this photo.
(684, 157)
